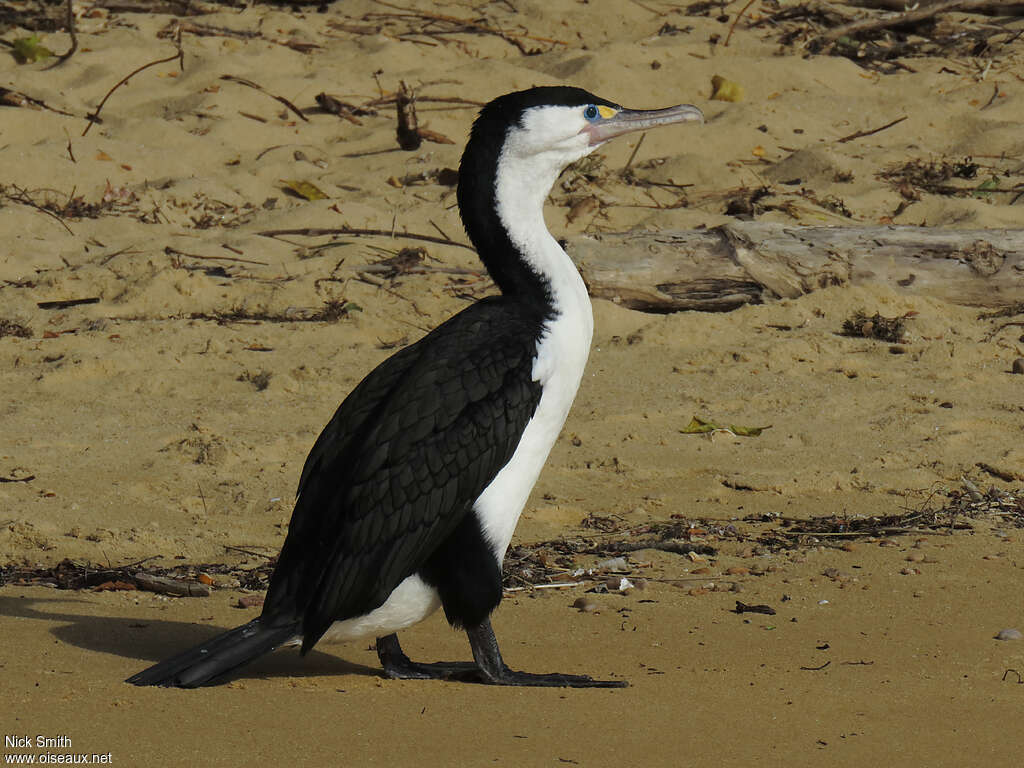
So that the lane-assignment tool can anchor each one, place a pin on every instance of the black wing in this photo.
(401, 463)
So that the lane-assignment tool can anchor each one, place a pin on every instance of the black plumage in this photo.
(400, 464)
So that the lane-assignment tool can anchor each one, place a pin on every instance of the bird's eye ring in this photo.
(591, 112)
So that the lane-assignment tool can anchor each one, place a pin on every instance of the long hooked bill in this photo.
(630, 120)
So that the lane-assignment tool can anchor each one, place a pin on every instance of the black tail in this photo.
(200, 665)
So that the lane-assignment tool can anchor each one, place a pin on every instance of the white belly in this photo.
(411, 602)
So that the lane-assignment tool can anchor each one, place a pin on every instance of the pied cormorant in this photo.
(409, 497)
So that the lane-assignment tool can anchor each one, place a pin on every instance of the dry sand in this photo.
(145, 434)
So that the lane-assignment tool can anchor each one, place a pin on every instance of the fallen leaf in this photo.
(437, 138)
(698, 426)
(30, 49)
(725, 90)
(305, 189)
(986, 188)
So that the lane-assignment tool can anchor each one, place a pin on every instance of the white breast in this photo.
(561, 352)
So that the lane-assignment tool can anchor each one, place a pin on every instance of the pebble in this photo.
(849, 547)
(585, 605)
(910, 572)
(613, 564)
(737, 570)
(915, 557)
(836, 575)
(1018, 365)
(1009, 634)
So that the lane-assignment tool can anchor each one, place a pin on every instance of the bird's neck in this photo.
(502, 204)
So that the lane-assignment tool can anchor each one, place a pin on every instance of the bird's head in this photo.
(555, 126)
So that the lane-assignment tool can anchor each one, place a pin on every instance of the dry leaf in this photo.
(725, 90)
(305, 189)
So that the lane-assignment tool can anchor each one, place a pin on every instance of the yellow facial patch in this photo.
(606, 112)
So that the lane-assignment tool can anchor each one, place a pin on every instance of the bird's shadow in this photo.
(146, 640)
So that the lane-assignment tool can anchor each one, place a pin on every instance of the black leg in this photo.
(494, 671)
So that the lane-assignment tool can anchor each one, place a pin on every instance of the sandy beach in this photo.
(165, 368)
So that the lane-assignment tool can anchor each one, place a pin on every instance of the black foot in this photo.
(488, 669)
(493, 670)
(398, 666)
(552, 680)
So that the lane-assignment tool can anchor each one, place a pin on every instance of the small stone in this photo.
(205, 578)
(910, 572)
(836, 575)
(737, 570)
(250, 601)
(585, 605)
(849, 546)
(915, 557)
(897, 349)
(1018, 365)
(613, 564)
(694, 591)
(1009, 634)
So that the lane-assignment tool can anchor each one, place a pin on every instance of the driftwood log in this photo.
(749, 262)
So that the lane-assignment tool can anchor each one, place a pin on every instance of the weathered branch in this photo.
(749, 262)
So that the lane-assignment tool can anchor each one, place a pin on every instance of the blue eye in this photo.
(591, 112)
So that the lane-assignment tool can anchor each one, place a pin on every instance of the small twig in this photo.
(861, 134)
(815, 669)
(175, 252)
(67, 303)
(94, 116)
(555, 585)
(995, 95)
(70, 21)
(9, 98)
(261, 89)
(23, 198)
(408, 125)
(244, 551)
(318, 232)
(635, 150)
(744, 608)
(732, 27)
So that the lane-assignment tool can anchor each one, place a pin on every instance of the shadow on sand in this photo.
(146, 641)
